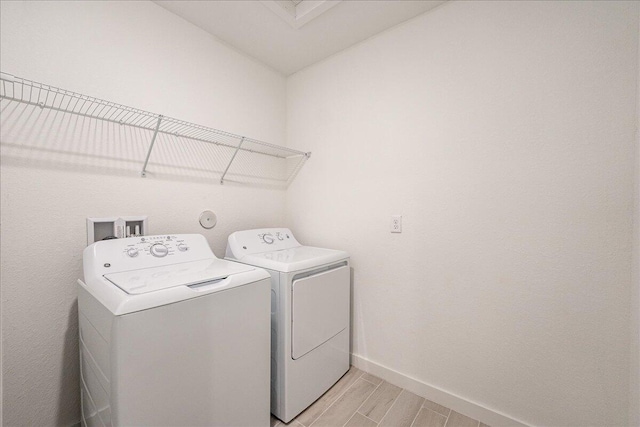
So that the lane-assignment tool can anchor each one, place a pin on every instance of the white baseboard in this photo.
(457, 403)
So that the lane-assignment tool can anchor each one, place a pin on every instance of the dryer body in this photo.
(310, 314)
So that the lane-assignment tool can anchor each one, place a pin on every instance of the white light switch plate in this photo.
(396, 223)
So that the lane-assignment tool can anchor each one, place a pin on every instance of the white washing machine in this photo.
(310, 305)
(171, 335)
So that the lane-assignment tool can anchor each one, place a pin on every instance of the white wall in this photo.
(504, 134)
(634, 376)
(138, 54)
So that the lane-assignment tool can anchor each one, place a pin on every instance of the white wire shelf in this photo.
(288, 161)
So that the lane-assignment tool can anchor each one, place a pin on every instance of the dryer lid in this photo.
(135, 282)
(294, 259)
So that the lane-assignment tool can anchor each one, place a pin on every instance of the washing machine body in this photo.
(171, 335)
(310, 314)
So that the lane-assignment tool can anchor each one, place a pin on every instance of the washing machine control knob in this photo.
(182, 247)
(132, 252)
(268, 239)
(159, 250)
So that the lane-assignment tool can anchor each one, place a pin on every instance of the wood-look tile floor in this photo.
(360, 399)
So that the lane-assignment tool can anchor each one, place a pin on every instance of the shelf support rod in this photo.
(153, 140)
(231, 161)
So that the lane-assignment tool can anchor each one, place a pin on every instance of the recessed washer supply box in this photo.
(116, 227)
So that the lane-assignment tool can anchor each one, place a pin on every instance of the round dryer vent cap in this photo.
(208, 219)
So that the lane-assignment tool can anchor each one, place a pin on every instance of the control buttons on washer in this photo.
(268, 239)
(279, 236)
(132, 252)
(158, 250)
(182, 247)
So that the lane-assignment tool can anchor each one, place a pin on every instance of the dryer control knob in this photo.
(182, 247)
(133, 252)
(159, 250)
(268, 238)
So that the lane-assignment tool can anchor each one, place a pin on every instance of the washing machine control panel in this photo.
(155, 246)
(149, 251)
(262, 240)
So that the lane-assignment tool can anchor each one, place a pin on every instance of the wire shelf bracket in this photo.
(235, 153)
(143, 173)
(286, 160)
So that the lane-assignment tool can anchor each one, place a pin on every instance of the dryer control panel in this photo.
(261, 240)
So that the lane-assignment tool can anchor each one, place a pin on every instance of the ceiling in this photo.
(289, 35)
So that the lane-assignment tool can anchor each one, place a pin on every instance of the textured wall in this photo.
(138, 54)
(504, 133)
(634, 394)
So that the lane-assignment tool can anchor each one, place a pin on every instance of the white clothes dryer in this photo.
(310, 314)
(171, 335)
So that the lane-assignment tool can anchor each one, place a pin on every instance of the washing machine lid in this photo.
(142, 281)
(295, 259)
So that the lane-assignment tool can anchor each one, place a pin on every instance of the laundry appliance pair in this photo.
(172, 335)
